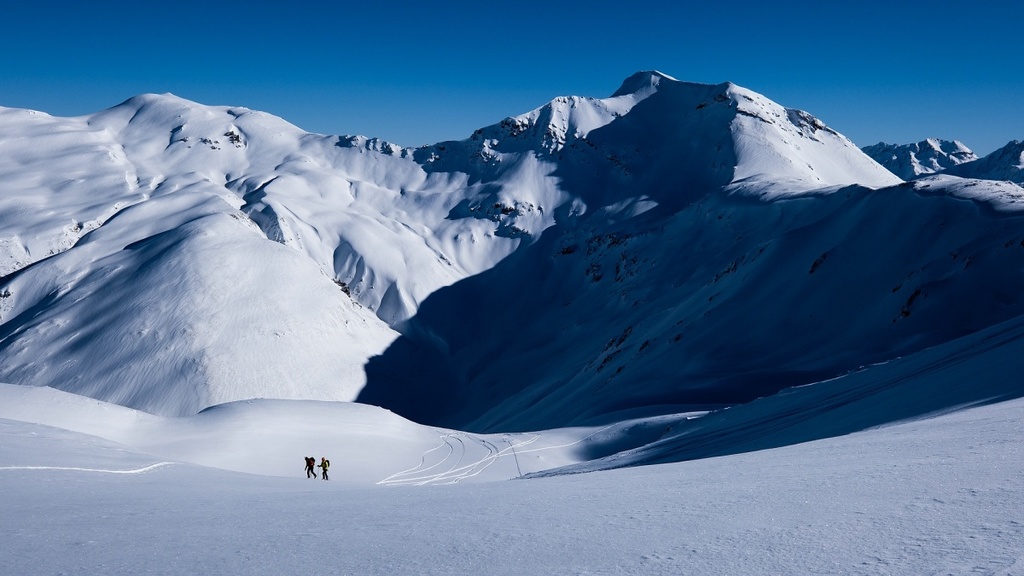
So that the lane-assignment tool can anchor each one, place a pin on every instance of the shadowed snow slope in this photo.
(977, 369)
(724, 301)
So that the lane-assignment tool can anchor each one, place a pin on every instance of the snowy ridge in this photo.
(930, 156)
(1006, 163)
(693, 138)
(934, 156)
(782, 151)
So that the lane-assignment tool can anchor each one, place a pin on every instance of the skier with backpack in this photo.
(324, 465)
(310, 462)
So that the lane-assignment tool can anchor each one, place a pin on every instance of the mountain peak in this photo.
(929, 156)
(642, 81)
(720, 134)
(150, 98)
(1006, 163)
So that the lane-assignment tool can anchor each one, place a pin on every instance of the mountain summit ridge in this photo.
(930, 156)
(643, 81)
(1006, 163)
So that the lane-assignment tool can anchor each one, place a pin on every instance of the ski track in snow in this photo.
(142, 470)
(415, 476)
(457, 472)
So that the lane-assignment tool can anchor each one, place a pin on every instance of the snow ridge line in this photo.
(72, 469)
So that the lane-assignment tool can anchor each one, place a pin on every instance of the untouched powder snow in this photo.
(94, 487)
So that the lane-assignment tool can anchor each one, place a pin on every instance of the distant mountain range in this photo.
(933, 156)
(673, 247)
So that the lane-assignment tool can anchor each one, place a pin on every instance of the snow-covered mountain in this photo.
(675, 272)
(930, 156)
(170, 256)
(1006, 163)
(674, 247)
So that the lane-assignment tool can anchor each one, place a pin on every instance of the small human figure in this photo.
(324, 465)
(310, 462)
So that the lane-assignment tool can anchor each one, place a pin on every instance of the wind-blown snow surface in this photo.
(931, 496)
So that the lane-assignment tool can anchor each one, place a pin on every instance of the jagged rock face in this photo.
(672, 245)
(931, 156)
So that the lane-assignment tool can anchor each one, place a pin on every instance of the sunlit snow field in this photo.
(940, 495)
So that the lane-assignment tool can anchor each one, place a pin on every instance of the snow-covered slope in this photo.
(725, 301)
(327, 197)
(142, 248)
(1006, 163)
(369, 445)
(979, 368)
(174, 305)
(940, 495)
(930, 156)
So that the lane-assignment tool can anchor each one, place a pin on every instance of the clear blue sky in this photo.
(420, 72)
